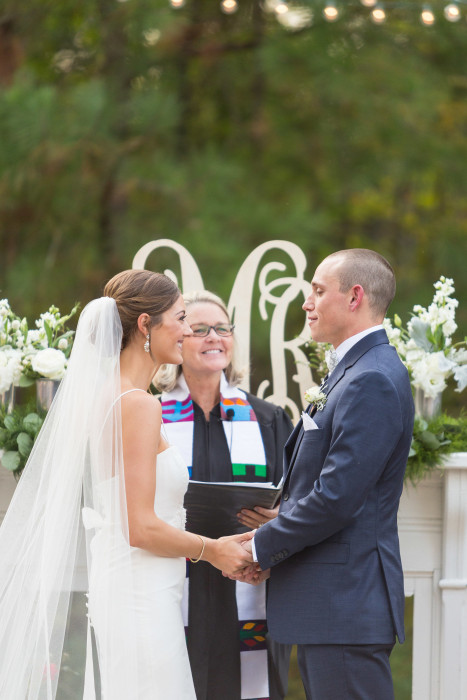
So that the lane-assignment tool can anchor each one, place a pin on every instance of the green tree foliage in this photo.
(124, 122)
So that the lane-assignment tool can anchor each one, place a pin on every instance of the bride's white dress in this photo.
(152, 617)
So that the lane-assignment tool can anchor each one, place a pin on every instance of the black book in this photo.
(212, 507)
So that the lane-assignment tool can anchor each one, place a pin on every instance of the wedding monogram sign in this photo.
(276, 294)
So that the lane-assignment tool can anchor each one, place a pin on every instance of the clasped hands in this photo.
(242, 567)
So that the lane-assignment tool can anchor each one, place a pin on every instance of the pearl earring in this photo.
(146, 344)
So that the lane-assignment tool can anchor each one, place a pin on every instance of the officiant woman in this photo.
(225, 434)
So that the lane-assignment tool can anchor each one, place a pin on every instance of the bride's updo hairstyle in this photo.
(139, 292)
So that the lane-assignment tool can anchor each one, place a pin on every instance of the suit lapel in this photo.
(350, 358)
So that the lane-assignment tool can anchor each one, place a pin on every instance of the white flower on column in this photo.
(430, 372)
(49, 363)
(10, 368)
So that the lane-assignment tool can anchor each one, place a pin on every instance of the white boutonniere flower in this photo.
(316, 396)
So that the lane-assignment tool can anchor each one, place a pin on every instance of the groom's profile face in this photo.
(326, 307)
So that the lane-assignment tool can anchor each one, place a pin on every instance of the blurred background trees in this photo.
(124, 122)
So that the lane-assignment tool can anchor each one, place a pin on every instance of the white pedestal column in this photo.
(7, 488)
(453, 583)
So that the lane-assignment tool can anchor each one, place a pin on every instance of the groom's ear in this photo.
(357, 294)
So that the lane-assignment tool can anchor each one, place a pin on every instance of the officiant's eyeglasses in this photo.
(201, 330)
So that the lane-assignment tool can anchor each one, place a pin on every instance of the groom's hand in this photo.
(257, 517)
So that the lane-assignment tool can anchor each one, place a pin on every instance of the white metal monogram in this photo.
(279, 292)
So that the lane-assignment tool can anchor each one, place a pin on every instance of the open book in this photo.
(212, 507)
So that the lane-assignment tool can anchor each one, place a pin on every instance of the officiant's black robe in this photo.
(213, 635)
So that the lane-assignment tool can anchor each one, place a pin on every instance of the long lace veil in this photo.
(76, 461)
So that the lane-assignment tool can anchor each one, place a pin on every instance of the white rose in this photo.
(316, 396)
(49, 363)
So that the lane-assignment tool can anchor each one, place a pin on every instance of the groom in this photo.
(336, 584)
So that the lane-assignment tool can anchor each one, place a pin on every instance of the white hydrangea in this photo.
(10, 368)
(430, 371)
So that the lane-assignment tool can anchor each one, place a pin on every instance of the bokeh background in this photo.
(123, 122)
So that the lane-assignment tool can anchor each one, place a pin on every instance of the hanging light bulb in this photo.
(229, 6)
(452, 12)
(427, 17)
(378, 15)
(330, 12)
(281, 8)
(177, 3)
(368, 3)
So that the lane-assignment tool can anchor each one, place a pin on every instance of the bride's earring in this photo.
(146, 344)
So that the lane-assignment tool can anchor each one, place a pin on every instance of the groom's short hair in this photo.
(372, 272)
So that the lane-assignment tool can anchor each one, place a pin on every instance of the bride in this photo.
(101, 461)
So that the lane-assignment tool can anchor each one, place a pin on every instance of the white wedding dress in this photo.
(153, 616)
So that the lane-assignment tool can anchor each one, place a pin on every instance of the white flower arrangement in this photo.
(426, 347)
(47, 348)
(11, 343)
(316, 396)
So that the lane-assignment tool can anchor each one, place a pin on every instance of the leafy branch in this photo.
(18, 431)
(432, 442)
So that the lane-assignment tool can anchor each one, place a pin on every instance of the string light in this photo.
(452, 12)
(301, 17)
(378, 15)
(281, 8)
(427, 17)
(229, 6)
(330, 12)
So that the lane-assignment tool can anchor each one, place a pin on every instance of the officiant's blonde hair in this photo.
(370, 270)
(166, 377)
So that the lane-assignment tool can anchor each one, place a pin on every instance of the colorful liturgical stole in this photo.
(248, 457)
(240, 425)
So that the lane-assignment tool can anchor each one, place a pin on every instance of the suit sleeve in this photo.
(366, 429)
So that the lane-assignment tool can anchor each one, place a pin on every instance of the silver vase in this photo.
(45, 392)
(427, 407)
(7, 398)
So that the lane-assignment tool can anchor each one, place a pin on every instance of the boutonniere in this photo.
(316, 396)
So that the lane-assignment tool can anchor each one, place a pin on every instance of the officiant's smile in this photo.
(209, 348)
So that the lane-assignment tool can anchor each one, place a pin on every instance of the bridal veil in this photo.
(74, 473)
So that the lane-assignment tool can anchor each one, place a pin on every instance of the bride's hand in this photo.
(227, 553)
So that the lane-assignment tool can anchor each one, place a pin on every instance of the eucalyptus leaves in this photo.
(18, 430)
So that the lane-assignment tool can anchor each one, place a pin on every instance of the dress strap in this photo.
(129, 392)
(115, 401)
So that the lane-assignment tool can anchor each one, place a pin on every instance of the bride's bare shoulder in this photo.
(137, 402)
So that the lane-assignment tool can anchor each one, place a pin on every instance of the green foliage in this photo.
(126, 122)
(432, 441)
(18, 430)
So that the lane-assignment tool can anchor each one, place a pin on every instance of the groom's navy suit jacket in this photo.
(336, 573)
